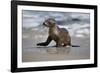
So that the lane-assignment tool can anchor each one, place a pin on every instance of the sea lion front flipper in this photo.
(45, 43)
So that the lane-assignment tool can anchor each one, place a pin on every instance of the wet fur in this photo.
(59, 35)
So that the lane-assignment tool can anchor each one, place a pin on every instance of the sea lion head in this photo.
(50, 22)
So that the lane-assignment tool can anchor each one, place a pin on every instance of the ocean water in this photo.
(78, 24)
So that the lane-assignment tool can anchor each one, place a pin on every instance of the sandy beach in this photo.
(33, 53)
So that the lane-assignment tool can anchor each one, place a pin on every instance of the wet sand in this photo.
(33, 53)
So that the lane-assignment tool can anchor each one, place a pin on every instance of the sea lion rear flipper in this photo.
(75, 45)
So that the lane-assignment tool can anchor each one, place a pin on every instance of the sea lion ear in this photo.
(52, 20)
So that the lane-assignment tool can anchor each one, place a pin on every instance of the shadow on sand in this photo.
(54, 50)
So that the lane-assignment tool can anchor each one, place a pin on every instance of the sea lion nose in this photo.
(43, 23)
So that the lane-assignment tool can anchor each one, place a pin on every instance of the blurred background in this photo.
(78, 24)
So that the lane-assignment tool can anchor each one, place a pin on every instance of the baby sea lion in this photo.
(60, 35)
